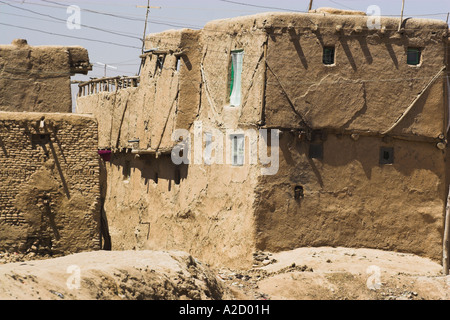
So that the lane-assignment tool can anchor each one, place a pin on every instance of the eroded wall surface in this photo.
(37, 78)
(50, 185)
(161, 206)
(221, 213)
(369, 87)
(166, 99)
(349, 199)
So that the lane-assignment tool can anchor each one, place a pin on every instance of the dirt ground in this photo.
(302, 274)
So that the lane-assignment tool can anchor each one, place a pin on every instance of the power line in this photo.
(340, 4)
(67, 36)
(159, 22)
(257, 6)
(33, 18)
(98, 12)
(63, 20)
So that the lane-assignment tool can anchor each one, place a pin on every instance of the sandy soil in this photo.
(127, 275)
(302, 274)
(340, 274)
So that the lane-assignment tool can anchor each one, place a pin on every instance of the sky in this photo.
(112, 30)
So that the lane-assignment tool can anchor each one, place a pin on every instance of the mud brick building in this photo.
(37, 78)
(49, 165)
(362, 115)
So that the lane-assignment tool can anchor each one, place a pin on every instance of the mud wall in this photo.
(349, 199)
(150, 202)
(49, 186)
(166, 99)
(220, 212)
(37, 79)
(369, 87)
(198, 209)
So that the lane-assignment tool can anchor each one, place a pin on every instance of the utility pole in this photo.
(310, 5)
(106, 66)
(401, 17)
(146, 22)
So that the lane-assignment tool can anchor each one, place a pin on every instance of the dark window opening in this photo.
(413, 56)
(316, 151)
(328, 55)
(160, 62)
(386, 155)
(298, 193)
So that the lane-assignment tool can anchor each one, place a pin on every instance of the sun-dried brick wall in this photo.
(49, 183)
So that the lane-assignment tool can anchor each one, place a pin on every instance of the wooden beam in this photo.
(401, 16)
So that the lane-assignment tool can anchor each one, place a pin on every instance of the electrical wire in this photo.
(258, 6)
(68, 36)
(64, 21)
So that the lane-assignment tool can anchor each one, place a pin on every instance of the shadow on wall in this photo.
(104, 228)
(151, 168)
(341, 150)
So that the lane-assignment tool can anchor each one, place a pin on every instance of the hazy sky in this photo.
(115, 27)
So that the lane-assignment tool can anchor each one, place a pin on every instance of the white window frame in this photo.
(237, 61)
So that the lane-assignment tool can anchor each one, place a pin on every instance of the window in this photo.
(178, 64)
(328, 55)
(316, 151)
(237, 149)
(413, 56)
(237, 59)
(386, 155)
(160, 62)
(298, 193)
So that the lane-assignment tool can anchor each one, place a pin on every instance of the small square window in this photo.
(316, 151)
(386, 155)
(413, 56)
(328, 55)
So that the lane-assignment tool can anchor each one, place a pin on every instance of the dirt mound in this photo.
(129, 275)
(301, 274)
(339, 274)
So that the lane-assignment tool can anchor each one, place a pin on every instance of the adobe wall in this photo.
(49, 186)
(206, 214)
(166, 99)
(37, 78)
(369, 87)
(233, 211)
(351, 200)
